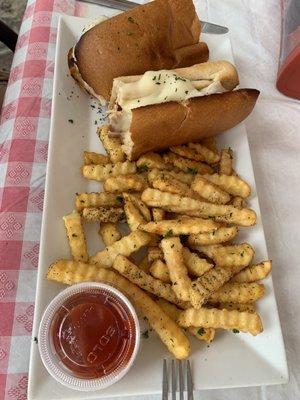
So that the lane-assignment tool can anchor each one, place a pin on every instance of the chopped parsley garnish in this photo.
(143, 168)
(186, 92)
(169, 233)
(130, 19)
(71, 121)
(201, 331)
(145, 334)
(178, 78)
(157, 83)
(235, 331)
(192, 171)
(154, 78)
(129, 33)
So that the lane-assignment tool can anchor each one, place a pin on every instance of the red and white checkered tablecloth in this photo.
(24, 131)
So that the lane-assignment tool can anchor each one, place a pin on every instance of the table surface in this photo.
(273, 130)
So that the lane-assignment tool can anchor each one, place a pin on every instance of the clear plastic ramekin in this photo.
(54, 364)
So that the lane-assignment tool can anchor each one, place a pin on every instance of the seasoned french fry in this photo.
(145, 281)
(239, 255)
(173, 312)
(113, 146)
(241, 307)
(184, 177)
(238, 293)
(214, 318)
(254, 272)
(109, 233)
(231, 184)
(70, 272)
(209, 191)
(209, 156)
(180, 226)
(133, 215)
(90, 157)
(225, 167)
(154, 253)
(138, 203)
(166, 182)
(150, 161)
(84, 200)
(158, 214)
(125, 246)
(231, 215)
(186, 205)
(210, 282)
(102, 172)
(180, 176)
(238, 202)
(221, 235)
(76, 237)
(160, 271)
(210, 143)
(124, 183)
(196, 266)
(181, 282)
(187, 165)
(103, 214)
(187, 152)
(144, 265)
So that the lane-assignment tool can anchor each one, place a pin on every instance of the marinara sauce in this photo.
(93, 334)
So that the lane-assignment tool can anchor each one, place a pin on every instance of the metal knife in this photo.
(206, 27)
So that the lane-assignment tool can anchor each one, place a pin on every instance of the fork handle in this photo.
(116, 4)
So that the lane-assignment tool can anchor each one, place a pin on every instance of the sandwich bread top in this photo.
(162, 34)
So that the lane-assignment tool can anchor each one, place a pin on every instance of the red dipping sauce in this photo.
(93, 334)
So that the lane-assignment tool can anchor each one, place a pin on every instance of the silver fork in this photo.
(177, 376)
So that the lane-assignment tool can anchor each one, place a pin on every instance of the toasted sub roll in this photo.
(162, 34)
(159, 126)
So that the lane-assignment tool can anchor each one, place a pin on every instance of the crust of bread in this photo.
(74, 71)
(222, 71)
(162, 34)
(160, 126)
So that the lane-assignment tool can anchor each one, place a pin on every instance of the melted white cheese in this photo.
(155, 87)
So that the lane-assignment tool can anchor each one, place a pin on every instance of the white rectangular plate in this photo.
(232, 360)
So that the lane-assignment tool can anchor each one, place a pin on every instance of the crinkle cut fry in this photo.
(214, 318)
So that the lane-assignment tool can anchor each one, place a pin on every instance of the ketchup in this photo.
(93, 334)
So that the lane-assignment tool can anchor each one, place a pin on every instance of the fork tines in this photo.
(179, 369)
